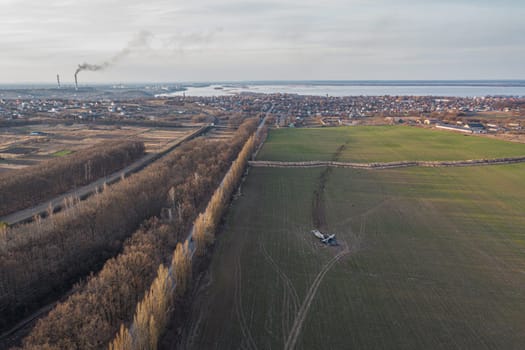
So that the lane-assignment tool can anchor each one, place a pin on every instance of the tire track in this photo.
(291, 340)
(364, 215)
(289, 293)
(188, 341)
(245, 330)
(285, 312)
(362, 231)
(284, 277)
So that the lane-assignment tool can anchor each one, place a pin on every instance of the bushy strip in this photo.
(28, 187)
(206, 223)
(152, 314)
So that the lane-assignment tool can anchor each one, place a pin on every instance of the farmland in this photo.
(24, 146)
(427, 258)
(382, 144)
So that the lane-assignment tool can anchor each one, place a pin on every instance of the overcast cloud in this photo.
(206, 40)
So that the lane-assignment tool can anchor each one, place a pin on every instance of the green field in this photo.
(62, 153)
(429, 258)
(382, 144)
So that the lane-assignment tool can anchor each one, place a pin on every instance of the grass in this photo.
(437, 261)
(436, 256)
(382, 144)
(62, 153)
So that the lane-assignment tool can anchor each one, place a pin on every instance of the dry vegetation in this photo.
(179, 187)
(152, 313)
(31, 186)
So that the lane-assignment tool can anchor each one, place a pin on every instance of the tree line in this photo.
(24, 188)
(153, 312)
(91, 316)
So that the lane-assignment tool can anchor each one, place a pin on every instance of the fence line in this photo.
(386, 165)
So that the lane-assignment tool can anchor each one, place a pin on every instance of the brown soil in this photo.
(318, 204)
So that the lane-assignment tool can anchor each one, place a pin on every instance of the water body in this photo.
(365, 88)
(444, 88)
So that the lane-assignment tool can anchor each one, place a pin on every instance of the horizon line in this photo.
(265, 81)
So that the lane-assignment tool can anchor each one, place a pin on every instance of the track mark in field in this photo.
(288, 283)
(364, 215)
(289, 292)
(362, 229)
(291, 340)
(245, 330)
(318, 204)
(195, 326)
(358, 239)
(376, 207)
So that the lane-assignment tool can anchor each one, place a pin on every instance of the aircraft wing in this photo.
(328, 238)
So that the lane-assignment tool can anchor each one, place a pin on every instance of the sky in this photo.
(235, 40)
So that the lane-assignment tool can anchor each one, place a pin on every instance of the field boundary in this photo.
(387, 165)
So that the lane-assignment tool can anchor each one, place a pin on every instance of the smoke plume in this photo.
(141, 40)
(176, 44)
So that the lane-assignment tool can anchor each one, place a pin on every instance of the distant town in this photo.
(480, 114)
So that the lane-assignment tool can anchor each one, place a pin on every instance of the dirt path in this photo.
(291, 340)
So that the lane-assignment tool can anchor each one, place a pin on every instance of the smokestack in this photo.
(58, 81)
(92, 68)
